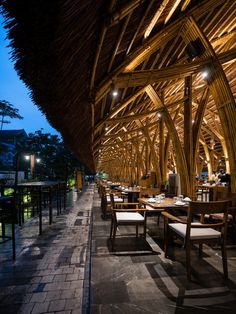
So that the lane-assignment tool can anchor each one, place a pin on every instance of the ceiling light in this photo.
(205, 74)
(115, 93)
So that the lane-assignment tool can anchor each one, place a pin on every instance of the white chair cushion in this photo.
(195, 233)
(129, 217)
(220, 216)
(118, 200)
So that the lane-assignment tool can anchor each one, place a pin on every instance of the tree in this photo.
(8, 110)
(56, 161)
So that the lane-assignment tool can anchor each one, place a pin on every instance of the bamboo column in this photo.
(188, 147)
(221, 93)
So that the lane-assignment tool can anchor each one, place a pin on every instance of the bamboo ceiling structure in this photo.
(133, 85)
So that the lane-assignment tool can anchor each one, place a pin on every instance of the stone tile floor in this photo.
(53, 272)
(137, 278)
(50, 274)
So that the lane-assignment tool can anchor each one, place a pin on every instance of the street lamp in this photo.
(27, 158)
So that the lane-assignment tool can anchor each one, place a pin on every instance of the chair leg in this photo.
(112, 226)
(136, 231)
(113, 237)
(188, 261)
(224, 260)
(166, 237)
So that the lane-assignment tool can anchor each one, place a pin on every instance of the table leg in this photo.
(40, 211)
(50, 205)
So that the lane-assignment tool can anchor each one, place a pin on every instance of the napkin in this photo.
(179, 203)
(151, 200)
(187, 199)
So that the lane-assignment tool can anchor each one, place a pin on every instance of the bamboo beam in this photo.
(146, 77)
(161, 143)
(139, 26)
(167, 143)
(188, 130)
(197, 124)
(151, 45)
(155, 18)
(131, 117)
(118, 42)
(180, 157)
(126, 9)
(99, 48)
(114, 112)
(222, 95)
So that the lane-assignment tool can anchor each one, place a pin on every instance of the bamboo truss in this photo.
(165, 115)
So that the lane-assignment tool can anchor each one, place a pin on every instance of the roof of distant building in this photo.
(13, 132)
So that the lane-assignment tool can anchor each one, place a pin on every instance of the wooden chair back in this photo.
(207, 209)
(205, 233)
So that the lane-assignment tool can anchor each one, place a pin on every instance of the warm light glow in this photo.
(205, 74)
(115, 93)
(193, 121)
(159, 115)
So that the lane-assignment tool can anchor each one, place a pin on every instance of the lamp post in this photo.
(27, 158)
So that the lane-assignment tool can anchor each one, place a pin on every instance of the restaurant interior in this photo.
(143, 93)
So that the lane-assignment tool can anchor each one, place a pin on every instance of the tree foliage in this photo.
(56, 160)
(8, 110)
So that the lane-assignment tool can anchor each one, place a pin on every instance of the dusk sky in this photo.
(12, 89)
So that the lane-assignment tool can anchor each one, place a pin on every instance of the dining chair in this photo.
(127, 214)
(227, 195)
(151, 192)
(198, 232)
(106, 201)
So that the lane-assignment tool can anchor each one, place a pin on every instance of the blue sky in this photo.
(12, 89)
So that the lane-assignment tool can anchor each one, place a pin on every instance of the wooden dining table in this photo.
(160, 205)
(132, 192)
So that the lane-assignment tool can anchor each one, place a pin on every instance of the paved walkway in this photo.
(50, 274)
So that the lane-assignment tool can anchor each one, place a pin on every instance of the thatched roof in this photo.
(71, 54)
